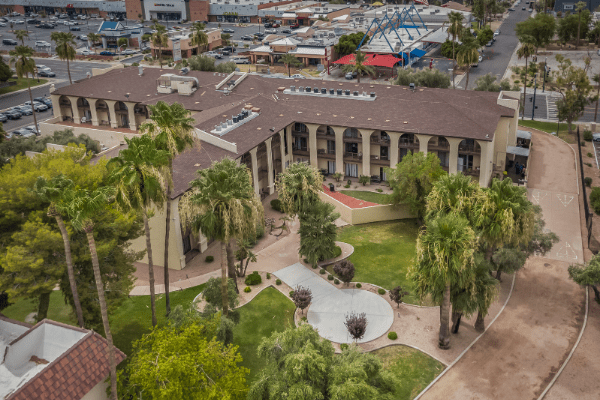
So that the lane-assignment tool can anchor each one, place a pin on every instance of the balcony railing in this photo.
(439, 145)
(353, 156)
(325, 134)
(469, 148)
(377, 139)
(299, 133)
(352, 139)
(300, 150)
(382, 158)
(408, 143)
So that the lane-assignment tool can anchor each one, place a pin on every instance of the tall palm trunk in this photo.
(453, 63)
(358, 76)
(167, 232)
(104, 312)
(444, 338)
(31, 99)
(231, 264)
(525, 90)
(480, 323)
(150, 268)
(69, 72)
(499, 274)
(69, 261)
(456, 317)
(224, 282)
(467, 84)
(43, 305)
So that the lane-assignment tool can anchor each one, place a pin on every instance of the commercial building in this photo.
(339, 127)
(246, 11)
(181, 40)
(111, 31)
(569, 5)
(311, 52)
(52, 360)
(97, 8)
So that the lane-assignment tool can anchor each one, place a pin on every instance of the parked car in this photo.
(3, 118)
(523, 8)
(228, 30)
(32, 128)
(351, 75)
(10, 42)
(46, 73)
(22, 132)
(511, 9)
(75, 28)
(489, 44)
(42, 43)
(19, 22)
(128, 52)
(39, 107)
(82, 37)
(259, 34)
(2, 19)
(286, 30)
(107, 53)
(24, 110)
(47, 26)
(270, 30)
(2, 24)
(247, 37)
(297, 76)
(225, 52)
(267, 25)
(12, 114)
(86, 52)
(241, 60)
(44, 100)
(41, 66)
(295, 26)
(213, 54)
(275, 25)
(231, 49)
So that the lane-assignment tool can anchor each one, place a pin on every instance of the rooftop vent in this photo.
(293, 88)
(316, 90)
(229, 122)
(372, 94)
(301, 89)
(235, 119)
(339, 92)
(308, 88)
(323, 91)
(356, 93)
(331, 91)
(347, 92)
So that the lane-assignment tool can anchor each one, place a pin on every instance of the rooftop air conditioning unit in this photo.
(347, 92)
(339, 92)
(356, 93)
(308, 89)
(292, 88)
(372, 94)
(331, 91)
(316, 90)
(323, 91)
(301, 89)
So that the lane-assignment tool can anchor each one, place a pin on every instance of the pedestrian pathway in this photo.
(331, 305)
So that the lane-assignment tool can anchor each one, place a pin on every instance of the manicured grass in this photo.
(550, 127)
(383, 252)
(373, 197)
(413, 369)
(57, 311)
(270, 311)
(22, 84)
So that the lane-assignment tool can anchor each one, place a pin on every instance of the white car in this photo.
(128, 52)
(86, 52)
(270, 30)
(53, 18)
(2, 24)
(297, 76)
(19, 22)
(42, 43)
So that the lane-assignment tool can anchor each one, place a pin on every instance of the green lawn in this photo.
(57, 311)
(413, 369)
(270, 311)
(550, 127)
(373, 197)
(383, 251)
(22, 84)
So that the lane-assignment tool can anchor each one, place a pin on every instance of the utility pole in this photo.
(534, 90)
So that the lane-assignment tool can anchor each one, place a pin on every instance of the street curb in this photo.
(35, 87)
(472, 343)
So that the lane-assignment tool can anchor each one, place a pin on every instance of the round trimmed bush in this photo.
(587, 136)
(314, 266)
(337, 251)
(381, 291)
(268, 275)
(322, 271)
(304, 319)
(291, 293)
(336, 281)
(306, 260)
(590, 155)
(278, 282)
(253, 279)
(247, 289)
(209, 259)
(358, 285)
(588, 181)
(276, 205)
(344, 346)
(392, 336)
(330, 277)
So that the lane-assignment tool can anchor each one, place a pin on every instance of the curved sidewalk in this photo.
(518, 356)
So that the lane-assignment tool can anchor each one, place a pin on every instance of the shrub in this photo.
(260, 231)
(392, 336)
(582, 143)
(347, 186)
(209, 259)
(379, 190)
(595, 199)
(345, 270)
(314, 266)
(364, 179)
(278, 282)
(356, 325)
(590, 155)
(344, 346)
(305, 260)
(358, 285)
(247, 289)
(291, 293)
(330, 277)
(253, 279)
(381, 291)
(588, 164)
(268, 275)
(337, 176)
(304, 319)
(336, 281)
(349, 182)
(337, 251)
(276, 205)
(135, 64)
(322, 271)
(587, 136)
(588, 181)
(396, 295)
(301, 297)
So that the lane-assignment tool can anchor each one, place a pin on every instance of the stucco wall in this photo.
(108, 138)
(98, 392)
(356, 216)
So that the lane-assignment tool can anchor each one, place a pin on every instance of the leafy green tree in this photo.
(213, 294)
(445, 260)
(225, 38)
(468, 55)
(487, 83)
(5, 71)
(21, 34)
(52, 191)
(171, 127)
(302, 365)
(525, 51)
(138, 176)
(594, 34)
(538, 30)
(359, 67)
(596, 78)
(572, 25)
(222, 204)
(455, 29)
(298, 187)
(226, 67)
(65, 48)
(202, 63)
(318, 232)
(11, 148)
(484, 35)
(574, 86)
(289, 60)
(122, 42)
(432, 78)
(186, 362)
(413, 179)
(93, 38)
(22, 59)
(348, 43)
(199, 38)
(31, 268)
(81, 205)
(587, 275)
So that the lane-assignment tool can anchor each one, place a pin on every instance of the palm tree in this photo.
(288, 60)
(525, 51)
(222, 205)
(65, 48)
(22, 59)
(580, 6)
(454, 29)
(468, 55)
(172, 129)
(198, 37)
(93, 38)
(160, 39)
(81, 205)
(21, 34)
(140, 185)
(52, 191)
(298, 188)
(358, 66)
(444, 261)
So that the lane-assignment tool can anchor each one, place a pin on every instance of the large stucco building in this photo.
(344, 127)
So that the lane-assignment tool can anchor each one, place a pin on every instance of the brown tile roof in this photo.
(73, 374)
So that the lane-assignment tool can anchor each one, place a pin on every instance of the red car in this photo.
(295, 26)
(275, 25)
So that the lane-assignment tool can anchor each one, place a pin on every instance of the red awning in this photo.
(350, 59)
(384, 60)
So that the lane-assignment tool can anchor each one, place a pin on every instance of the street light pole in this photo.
(534, 90)
(545, 71)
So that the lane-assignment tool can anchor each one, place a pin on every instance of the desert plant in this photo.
(358, 285)
(588, 181)
(392, 336)
(381, 291)
(276, 205)
(396, 295)
(590, 154)
(347, 186)
(268, 275)
(345, 270)
(301, 297)
(336, 281)
(247, 289)
(322, 271)
(379, 190)
(364, 179)
(330, 277)
(587, 136)
(595, 200)
(356, 325)
(253, 279)
(209, 259)
(278, 282)
(337, 176)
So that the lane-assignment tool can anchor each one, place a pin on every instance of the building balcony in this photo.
(469, 149)
(471, 171)
(325, 154)
(350, 139)
(323, 134)
(410, 144)
(379, 140)
(298, 133)
(381, 160)
(353, 156)
(438, 146)
(301, 151)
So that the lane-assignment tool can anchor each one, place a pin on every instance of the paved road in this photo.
(497, 57)
(79, 70)
(518, 356)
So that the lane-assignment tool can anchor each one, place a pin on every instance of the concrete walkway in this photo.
(331, 305)
(518, 356)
